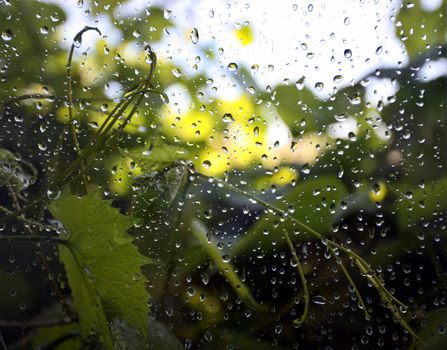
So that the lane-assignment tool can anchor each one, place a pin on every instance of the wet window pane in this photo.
(223, 174)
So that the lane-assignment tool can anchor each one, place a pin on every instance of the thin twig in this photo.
(77, 39)
(299, 321)
(363, 266)
(38, 239)
(33, 323)
(27, 220)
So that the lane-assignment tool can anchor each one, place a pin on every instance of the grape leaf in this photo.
(157, 158)
(60, 337)
(103, 266)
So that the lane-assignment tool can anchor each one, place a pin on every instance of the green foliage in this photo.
(302, 111)
(151, 27)
(418, 28)
(434, 330)
(12, 171)
(103, 266)
(27, 40)
(63, 337)
(158, 157)
(419, 203)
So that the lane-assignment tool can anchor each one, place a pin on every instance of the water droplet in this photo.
(227, 118)
(319, 86)
(319, 300)
(352, 136)
(305, 169)
(176, 72)
(190, 291)
(194, 35)
(226, 258)
(208, 213)
(300, 83)
(208, 336)
(338, 79)
(355, 98)
(341, 117)
(53, 194)
(136, 34)
(7, 35)
(232, 67)
(379, 50)
(206, 164)
(348, 53)
(44, 30)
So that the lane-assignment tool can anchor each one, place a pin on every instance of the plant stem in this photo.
(299, 321)
(363, 266)
(78, 38)
(200, 233)
(32, 239)
(26, 220)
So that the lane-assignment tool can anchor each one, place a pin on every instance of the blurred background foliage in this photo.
(369, 174)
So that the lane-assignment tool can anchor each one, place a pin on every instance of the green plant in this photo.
(102, 263)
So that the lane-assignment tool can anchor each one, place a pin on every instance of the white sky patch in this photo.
(433, 70)
(78, 18)
(113, 90)
(380, 90)
(318, 40)
(341, 130)
(430, 5)
(179, 98)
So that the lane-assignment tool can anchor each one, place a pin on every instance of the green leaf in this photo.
(422, 203)
(125, 336)
(158, 189)
(435, 331)
(151, 27)
(418, 28)
(92, 317)
(157, 158)
(100, 253)
(64, 337)
(295, 106)
(315, 202)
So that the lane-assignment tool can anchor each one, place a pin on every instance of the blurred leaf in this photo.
(435, 331)
(421, 203)
(64, 337)
(418, 28)
(302, 110)
(125, 336)
(157, 158)
(200, 232)
(100, 257)
(314, 202)
(92, 317)
(157, 189)
(243, 340)
(149, 27)
(103, 6)
(29, 37)
(160, 337)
